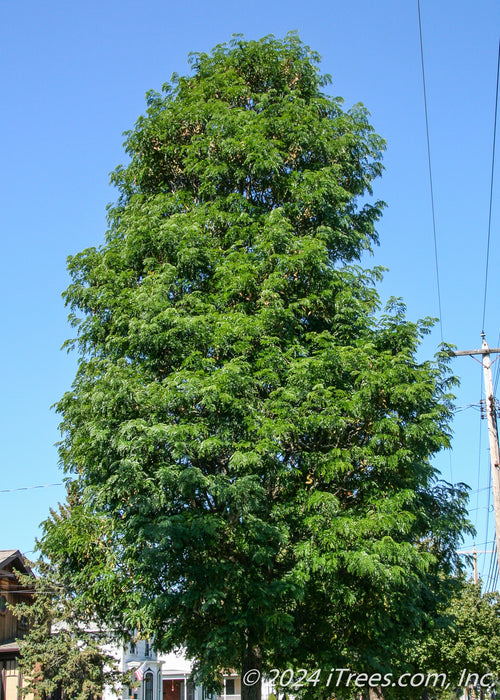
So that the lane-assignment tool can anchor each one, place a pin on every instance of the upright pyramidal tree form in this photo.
(248, 439)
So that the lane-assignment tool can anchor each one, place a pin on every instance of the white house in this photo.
(166, 677)
(131, 657)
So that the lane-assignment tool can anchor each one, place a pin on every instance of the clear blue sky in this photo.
(74, 75)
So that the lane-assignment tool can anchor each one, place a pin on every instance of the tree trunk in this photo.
(251, 673)
(376, 693)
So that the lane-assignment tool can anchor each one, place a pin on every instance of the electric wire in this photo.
(433, 210)
(488, 513)
(493, 568)
(459, 409)
(430, 172)
(46, 486)
(485, 488)
(488, 573)
(491, 188)
(490, 568)
(480, 544)
(30, 488)
(487, 579)
(495, 579)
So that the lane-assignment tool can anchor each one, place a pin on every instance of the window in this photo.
(230, 689)
(133, 648)
(3, 603)
(148, 686)
(190, 690)
(147, 650)
(22, 626)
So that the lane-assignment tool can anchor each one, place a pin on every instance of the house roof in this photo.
(9, 648)
(11, 556)
(7, 554)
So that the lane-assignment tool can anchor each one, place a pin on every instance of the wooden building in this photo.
(11, 628)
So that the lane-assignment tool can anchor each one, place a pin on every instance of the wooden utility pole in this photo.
(491, 413)
(474, 561)
(474, 553)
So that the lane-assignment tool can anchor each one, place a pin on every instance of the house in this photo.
(162, 676)
(134, 656)
(167, 677)
(11, 628)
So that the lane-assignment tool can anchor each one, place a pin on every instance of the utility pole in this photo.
(474, 553)
(474, 561)
(491, 413)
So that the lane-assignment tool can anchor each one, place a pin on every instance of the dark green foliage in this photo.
(250, 439)
(63, 646)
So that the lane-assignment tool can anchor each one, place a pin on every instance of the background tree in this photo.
(465, 637)
(251, 442)
(63, 648)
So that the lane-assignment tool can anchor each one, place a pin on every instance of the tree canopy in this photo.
(248, 438)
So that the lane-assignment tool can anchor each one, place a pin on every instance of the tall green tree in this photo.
(249, 441)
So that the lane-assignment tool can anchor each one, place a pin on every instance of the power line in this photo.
(485, 488)
(492, 577)
(430, 172)
(494, 583)
(488, 513)
(491, 188)
(481, 544)
(490, 569)
(30, 488)
(476, 405)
